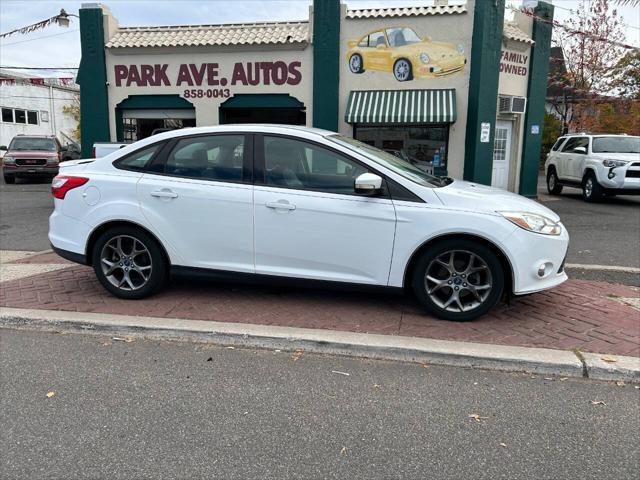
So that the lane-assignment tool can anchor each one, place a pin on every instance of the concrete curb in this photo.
(412, 349)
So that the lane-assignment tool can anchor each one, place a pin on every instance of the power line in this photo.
(39, 38)
(592, 16)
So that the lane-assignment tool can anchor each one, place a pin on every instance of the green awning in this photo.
(401, 106)
(262, 100)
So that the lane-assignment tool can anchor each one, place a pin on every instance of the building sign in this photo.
(514, 63)
(485, 132)
(208, 75)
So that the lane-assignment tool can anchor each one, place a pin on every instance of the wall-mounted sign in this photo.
(44, 116)
(208, 74)
(485, 132)
(514, 63)
(535, 129)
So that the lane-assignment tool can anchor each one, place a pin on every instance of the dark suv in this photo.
(31, 156)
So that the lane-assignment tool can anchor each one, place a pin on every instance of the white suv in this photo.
(267, 202)
(599, 164)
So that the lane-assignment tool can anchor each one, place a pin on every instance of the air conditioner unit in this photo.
(511, 104)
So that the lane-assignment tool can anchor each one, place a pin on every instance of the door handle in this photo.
(280, 205)
(164, 194)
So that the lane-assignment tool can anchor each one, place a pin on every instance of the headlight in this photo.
(614, 163)
(9, 160)
(533, 222)
(460, 48)
(424, 58)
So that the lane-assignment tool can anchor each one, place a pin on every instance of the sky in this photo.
(60, 47)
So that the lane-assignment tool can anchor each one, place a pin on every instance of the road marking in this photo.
(611, 268)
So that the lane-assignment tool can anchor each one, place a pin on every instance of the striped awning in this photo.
(401, 106)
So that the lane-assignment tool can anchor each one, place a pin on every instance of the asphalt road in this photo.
(149, 409)
(606, 233)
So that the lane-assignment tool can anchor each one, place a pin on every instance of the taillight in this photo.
(93, 152)
(63, 183)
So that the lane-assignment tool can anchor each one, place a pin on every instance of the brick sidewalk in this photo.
(591, 316)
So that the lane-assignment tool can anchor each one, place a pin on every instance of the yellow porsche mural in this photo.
(401, 51)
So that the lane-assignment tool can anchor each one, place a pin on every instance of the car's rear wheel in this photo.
(129, 263)
(554, 187)
(9, 179)
(458, 280)
(355, 63)
(591, 189)
(402, 70)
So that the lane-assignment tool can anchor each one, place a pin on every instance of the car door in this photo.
(310, 223)
(578, 156)
(378, 54)
(198, 196)
(565, 157)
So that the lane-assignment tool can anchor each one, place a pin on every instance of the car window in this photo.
(556, 145)
(137, 161)
(364, 42)
(297, 164)
(616, 145)
(31, 143)
(574, 142)
(213, 157)
(399, 37)
(581, 142)
(376, 38)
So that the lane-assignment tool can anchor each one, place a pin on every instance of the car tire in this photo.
(9, 179)
(443, 275)
(554, 187)
(402, 70)
(356, 64)
(591, 189)
(133, 275)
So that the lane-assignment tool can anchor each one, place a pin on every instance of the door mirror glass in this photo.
(582, 150)
(368, 183)
(3, 147)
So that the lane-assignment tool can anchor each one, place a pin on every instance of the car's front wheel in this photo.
(402, 70)
(591, 189)
(554, 187)
(458, 280)
(356, 64)
(129, 263)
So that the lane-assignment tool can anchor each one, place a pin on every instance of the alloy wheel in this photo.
(126, 262)
(458, 281)
(552, 181)
(355, 63)
(402, 70)
(588, 188)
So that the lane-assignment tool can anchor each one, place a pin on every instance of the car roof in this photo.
(243, 127)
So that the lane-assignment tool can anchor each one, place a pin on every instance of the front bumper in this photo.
(624, 179)
(440, 69)
(532, 251)
(30, 170)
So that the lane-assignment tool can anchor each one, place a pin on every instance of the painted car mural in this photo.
(401, 51)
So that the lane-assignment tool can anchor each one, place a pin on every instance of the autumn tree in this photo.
(625, 76)
(590, 50)
(73, 109)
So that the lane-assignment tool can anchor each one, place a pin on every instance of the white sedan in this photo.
(281, 202)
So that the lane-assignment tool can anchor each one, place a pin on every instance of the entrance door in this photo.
(501, 155)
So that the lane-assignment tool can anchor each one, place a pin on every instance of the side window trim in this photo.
(157, 165)
(260, 163)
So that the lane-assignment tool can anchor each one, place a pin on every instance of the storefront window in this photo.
(135, 129)
(424, 146)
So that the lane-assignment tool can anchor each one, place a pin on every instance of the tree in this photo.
(590, 54)
(74, 110)
(626, 75)
(551, 130)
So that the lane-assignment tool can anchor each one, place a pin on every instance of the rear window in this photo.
(26, 143)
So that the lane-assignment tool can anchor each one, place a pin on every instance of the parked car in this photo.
(598, 164)
(269, 201)
(31, 156)
(102, 149)
(71, 152)
(401, 51)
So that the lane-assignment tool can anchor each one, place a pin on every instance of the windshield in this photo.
(401, 36)
(616, 145)
(26, 143)
(393, 163)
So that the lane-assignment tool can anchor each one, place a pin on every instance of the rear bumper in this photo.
(67, 234)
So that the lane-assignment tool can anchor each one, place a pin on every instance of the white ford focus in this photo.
(271, 201)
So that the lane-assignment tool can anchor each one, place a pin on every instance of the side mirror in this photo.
(427, 38)
(368, 183)
(382, 46)
(3, 147)
(581, 150)
(64, 149)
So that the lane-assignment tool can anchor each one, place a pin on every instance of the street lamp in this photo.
(63, 18)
